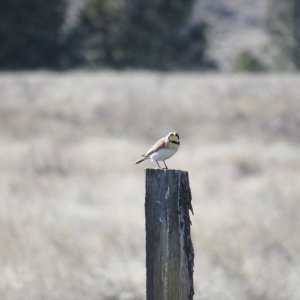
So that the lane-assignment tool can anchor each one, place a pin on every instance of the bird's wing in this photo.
(158, 145)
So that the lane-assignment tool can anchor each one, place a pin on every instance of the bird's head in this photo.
(173, 137)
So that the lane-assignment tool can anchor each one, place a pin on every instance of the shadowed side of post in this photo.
(169, 249)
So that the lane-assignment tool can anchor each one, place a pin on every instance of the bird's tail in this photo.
(141, 160)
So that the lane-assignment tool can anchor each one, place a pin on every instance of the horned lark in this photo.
(162, 149)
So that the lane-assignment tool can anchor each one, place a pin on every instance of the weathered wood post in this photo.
(169, 248)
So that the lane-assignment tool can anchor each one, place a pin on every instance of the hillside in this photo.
(234, 26)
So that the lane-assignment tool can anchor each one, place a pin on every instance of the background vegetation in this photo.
(136, 34)
(161, 34)
(283, 24)
(31, 34)
(108, 33)
(72, 202)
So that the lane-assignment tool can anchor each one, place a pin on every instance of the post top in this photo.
(165, 171)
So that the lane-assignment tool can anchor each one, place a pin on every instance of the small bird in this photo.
(163, 149)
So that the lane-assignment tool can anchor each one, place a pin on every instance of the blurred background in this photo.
(87, 86)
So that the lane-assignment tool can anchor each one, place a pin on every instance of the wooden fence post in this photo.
(169, 248)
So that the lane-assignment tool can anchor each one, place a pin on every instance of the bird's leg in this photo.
(165, 164)
(158, 164)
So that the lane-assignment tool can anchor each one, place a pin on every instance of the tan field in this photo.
(72, 202)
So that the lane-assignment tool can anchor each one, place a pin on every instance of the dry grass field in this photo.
(72, 202)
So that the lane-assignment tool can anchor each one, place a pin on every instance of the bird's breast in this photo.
(163, 154)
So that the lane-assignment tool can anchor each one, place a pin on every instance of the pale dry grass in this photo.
(72, 203)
